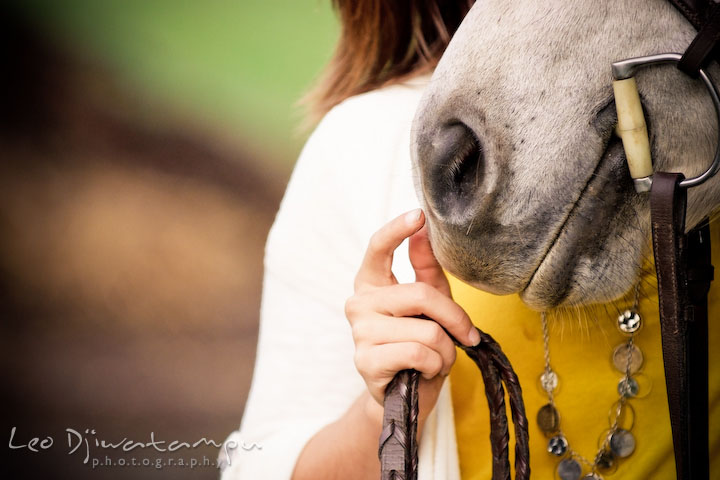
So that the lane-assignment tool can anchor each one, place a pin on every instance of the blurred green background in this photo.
(146, 146)
(238, 66)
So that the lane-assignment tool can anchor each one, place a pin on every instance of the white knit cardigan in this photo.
(353, 176)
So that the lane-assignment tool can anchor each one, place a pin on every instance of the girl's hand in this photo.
(387, 337)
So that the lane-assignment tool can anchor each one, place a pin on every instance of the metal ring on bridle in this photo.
(626, 69)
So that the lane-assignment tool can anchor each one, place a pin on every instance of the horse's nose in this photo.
(453, 169)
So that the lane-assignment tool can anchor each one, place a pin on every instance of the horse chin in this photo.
(585, 260)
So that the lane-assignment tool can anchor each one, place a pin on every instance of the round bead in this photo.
(549, 381)
(569, 469)
(622, 443)
(548, 419)
(558, 445)
(629, 321)
(628, 387)
(625, 352)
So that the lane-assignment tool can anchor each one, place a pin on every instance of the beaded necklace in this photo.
(617, 443)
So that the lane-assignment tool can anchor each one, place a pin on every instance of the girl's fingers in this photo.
(378, 365)
(381, 330)
(415, 299)
(427, 269)
(387, 339)
(376, 268)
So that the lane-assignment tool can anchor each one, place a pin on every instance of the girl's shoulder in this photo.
(363, 137)
(388, 107)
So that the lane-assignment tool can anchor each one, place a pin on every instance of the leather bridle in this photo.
(684, 274)
(682, 261)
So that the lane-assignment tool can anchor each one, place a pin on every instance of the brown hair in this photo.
(383, 42)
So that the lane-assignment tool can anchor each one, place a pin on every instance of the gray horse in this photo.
(524, 182)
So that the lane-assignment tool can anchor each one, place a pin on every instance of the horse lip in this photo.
(612, 142)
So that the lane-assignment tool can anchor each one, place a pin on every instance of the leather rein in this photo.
(684, 274)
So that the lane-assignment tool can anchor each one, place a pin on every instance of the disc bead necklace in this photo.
(617, 442)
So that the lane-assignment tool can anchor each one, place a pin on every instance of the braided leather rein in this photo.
(398, 449)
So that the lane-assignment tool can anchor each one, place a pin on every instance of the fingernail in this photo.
(474, 337)
(412, 217)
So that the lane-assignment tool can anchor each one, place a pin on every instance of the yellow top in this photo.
(581, 344)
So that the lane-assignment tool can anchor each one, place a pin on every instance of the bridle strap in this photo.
(684, 274)
(398, 440)
(696, 11)
(704, 15)
(667, 205)
(704, 46)
(700, 274)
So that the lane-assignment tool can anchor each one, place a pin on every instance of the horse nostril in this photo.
(456, 169)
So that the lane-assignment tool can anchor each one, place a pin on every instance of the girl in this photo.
(315, 405)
